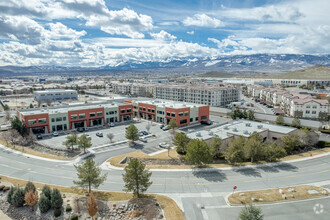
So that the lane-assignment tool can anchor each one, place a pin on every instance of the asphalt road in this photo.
(186, 187)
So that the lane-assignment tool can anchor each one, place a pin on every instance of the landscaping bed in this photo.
(277, 195)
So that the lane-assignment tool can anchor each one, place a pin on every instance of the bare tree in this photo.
(148, 127)
(30, 139)
(14, 137)
(49, 102)
(91, 204)
(7, 115)
(39, 103)
(110, 136)
(6, 136)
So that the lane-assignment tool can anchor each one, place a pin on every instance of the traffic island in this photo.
(276, 195)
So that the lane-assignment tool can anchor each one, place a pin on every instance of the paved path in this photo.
(3, 216)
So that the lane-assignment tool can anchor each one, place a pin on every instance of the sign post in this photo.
(235, 187)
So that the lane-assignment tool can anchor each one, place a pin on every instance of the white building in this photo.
(55, 95)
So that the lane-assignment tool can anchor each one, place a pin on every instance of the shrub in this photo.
(29, 186)
(57, 212)
(323, 144)
(17, 198)
(47, 192)
(325, 131)
(74, 217)
(10, 194)
(68, 208)
(44, 203)
(56, 199)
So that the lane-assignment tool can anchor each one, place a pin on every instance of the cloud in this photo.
(21, 29)
(59, 30)
(202, 20)
(163, 35)
(191, 32)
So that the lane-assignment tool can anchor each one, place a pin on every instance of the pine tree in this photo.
(280, 120)
(84, 142)
(136, 177)
(29, 186)
(44, 203)
(132, 133)
(296, 123)
(91, 204)
(10, 194)
(215, 145)
(198, 152)
(70, 141)
(31, 198)
(17, 198)
(253, 148)
(180, 141)
(89, 175)
(56, 199)
(47, 192)
(234, 152)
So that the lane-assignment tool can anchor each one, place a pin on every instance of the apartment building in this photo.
(163, 111)
(134, 89)
(205, 94)
(55, 95)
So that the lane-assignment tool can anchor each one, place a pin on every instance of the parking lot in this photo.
(118, 131)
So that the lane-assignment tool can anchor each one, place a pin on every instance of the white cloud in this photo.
(163, 35)
(59, 30)
(191, 32)
(203, 20)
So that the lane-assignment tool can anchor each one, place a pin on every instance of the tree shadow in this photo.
(248, 171)
(286, 167)
(137, 146)
(212, 175)
(269, 169)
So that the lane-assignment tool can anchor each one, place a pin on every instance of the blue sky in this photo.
(115, 32)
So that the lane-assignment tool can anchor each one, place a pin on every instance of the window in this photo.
(59, 119)
(42, 121)
(196, 119)
(149, 109)
(314, 106)
(99, 114)
(313, 112)
(153, 110)
(81, 115)
(129, 110)
(180, 114)
(53, 119)
(122, 111)
(64, 118)
(307, 112)
(183, 121)
(191, 119)
(92, 114)
(307, 106)
(73, 117)
(173, 114)
(204, 117)
(141, 108)
(65, 127)
(186, 114)
(168, 114)
(32, 122)
(144, 108)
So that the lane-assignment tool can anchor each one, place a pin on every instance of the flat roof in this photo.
(55, 90)
(169, 104)
(65, 109)
(241, 127)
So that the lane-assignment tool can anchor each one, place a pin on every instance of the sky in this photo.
(94, 33)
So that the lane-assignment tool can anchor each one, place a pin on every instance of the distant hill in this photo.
(217, 74)
(314, 72)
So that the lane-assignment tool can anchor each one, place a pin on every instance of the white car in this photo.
(143, 139)
(99, 134)
(112, 124)
(164, 145)
(55, 134)
(87, 135)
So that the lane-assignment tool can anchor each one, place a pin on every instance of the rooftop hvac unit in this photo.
(198, 134)
(259, 126)
(211, 133)
(235, 129)
(247, 124)
(226, 128)
(245, 132)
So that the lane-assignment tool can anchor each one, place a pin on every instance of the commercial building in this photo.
(245, 128)
(45, 120)
(163, 111)
(55, 95)
(71, 117)
(206, 94)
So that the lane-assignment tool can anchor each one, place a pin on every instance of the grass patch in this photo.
(306, 154)
(171, 209)
(273, 195)
(32, 152)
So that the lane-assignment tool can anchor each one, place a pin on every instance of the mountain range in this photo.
(238, 64)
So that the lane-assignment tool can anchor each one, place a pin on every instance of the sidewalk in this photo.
(3, 216)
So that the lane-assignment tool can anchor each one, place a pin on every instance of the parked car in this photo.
(88, 155)
(80, 129)
(208, 122)
(161, 126)
(143, 139)
(141, 133)
(99, 134)
(55, 134)
(112, 124)
(262, 103)
(165, 128)
(164, 145)
(39, 136)
(87, 135)
(145, 132)
(86, 129)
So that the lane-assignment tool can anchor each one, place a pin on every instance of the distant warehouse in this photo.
(55, 95)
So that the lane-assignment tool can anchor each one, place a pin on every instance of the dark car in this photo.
(80, 129)
(145, 132)
(141, 133)
(208, 122)
(39, 136)
(161, 126)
